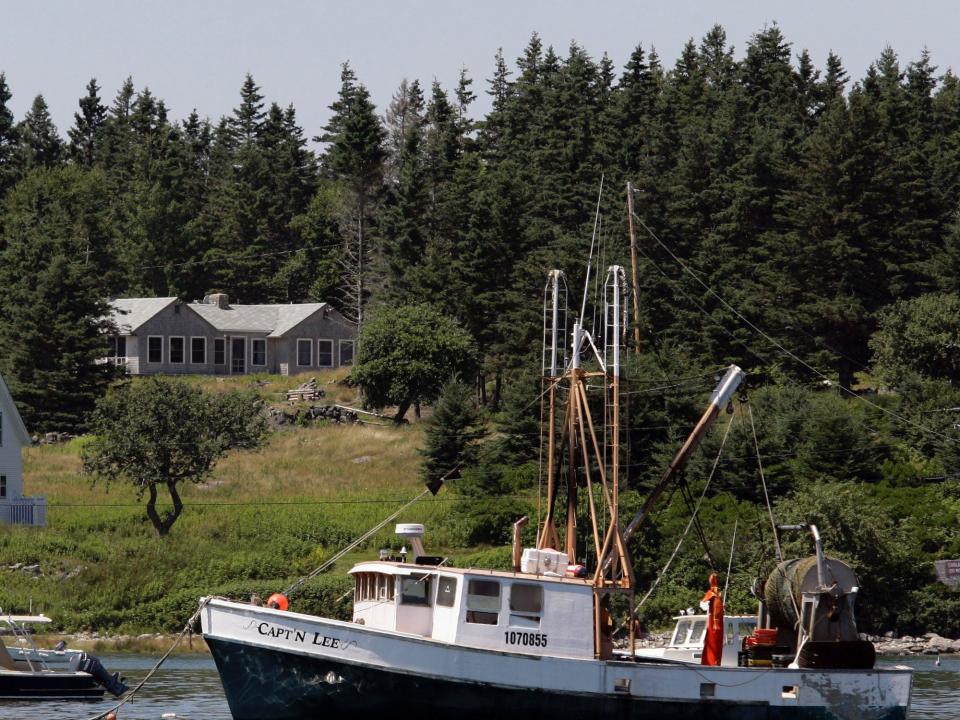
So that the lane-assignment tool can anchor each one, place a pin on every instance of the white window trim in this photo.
(309, 343)
(155, 362)
(198, 337)
(226, 360)
(333, 347)
(170, 350)
(353, 344)
(253, 353)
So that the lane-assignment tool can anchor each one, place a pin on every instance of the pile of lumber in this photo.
(306, 391)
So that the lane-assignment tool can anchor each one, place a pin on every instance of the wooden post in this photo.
(633, 270)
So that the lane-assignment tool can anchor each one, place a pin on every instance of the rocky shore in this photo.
(927, 644)
(887, 644)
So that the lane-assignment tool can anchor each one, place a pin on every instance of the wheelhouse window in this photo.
(304, 353)
(155, 349)
(483, 602)
(219, 351)
(259, 352)
(325, 353)
(526, 604)
(198, 351)
(415, 590)
(446, 591)
(176, 350)
(373, 587)
(680, 634)
(346, 352)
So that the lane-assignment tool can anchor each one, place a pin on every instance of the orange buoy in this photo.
(278, 601)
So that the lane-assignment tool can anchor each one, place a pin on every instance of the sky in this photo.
(195, 54)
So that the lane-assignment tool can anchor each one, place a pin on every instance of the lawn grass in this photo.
(263, 519)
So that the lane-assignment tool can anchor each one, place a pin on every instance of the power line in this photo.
(778, 345)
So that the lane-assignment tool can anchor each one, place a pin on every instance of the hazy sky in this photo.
(195, 54)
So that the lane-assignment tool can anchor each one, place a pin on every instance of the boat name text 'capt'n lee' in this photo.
(303, 636)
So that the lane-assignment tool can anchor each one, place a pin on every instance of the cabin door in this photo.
(238, 355)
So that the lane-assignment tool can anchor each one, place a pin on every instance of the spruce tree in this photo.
(451, 434)
(57, 270)
(39, 145)
(9, 171)
(87, 124)
(355, 156)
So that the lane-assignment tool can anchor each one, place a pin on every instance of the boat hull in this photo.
(15, 685)
(287, 666)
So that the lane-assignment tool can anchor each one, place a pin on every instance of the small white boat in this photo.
(25, 654)
(689, 634)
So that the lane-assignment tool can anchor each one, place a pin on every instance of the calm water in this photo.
(190, 687)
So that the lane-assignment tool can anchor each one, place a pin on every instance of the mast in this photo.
(633, 270)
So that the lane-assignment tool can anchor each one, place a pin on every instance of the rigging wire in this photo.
(746, 321)
(690, 522)
(596, 223)
(763, 480)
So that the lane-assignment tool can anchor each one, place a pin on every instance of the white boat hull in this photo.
(287, 665)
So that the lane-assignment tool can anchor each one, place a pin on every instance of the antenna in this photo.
(586, 282)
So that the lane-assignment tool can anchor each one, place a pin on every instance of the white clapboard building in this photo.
(14, 507)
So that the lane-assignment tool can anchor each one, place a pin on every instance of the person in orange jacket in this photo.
(713, 642)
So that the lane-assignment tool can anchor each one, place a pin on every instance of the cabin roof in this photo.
(130, 313)
(396, 568)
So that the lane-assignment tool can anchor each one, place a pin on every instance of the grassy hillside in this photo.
(264, 519)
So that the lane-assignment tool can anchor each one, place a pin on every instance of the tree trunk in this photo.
(401, 411)
(497, 389)
(845, 372)
(416, 410)
(162, 525)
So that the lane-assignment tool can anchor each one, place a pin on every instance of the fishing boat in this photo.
(25, 653)
(31, 678)
(689, 635)
(536, 641)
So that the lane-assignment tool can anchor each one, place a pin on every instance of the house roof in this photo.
(130, 313)
(18, 427)
(272, 320)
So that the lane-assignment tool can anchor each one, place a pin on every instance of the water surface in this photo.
(190, 687)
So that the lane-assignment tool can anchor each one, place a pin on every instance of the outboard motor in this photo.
(113, 684)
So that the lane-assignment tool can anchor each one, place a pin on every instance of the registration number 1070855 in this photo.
(527, 639)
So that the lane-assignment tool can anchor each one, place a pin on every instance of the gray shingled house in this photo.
(213, 337)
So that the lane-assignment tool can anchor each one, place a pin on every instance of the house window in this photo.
(3, 486)
(219, 351)
(155, 349)
(198, 350)
(176, 350)
(118, 347)
(483, 602)
(325, 353)
(259, 352)
(415, 590)
(304, 353)
(346, 352)
(446, 591)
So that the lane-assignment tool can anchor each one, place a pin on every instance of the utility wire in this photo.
(746, 321)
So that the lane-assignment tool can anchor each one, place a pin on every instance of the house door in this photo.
(238, 357)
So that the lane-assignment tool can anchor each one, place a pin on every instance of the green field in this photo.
(264, 519)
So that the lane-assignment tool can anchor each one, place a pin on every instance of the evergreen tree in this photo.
(355, 157)
(56, 269)
(9, 172)
(451, 434)
(39, 144)
(87, 124)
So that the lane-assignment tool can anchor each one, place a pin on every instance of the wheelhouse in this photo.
(514, 612)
